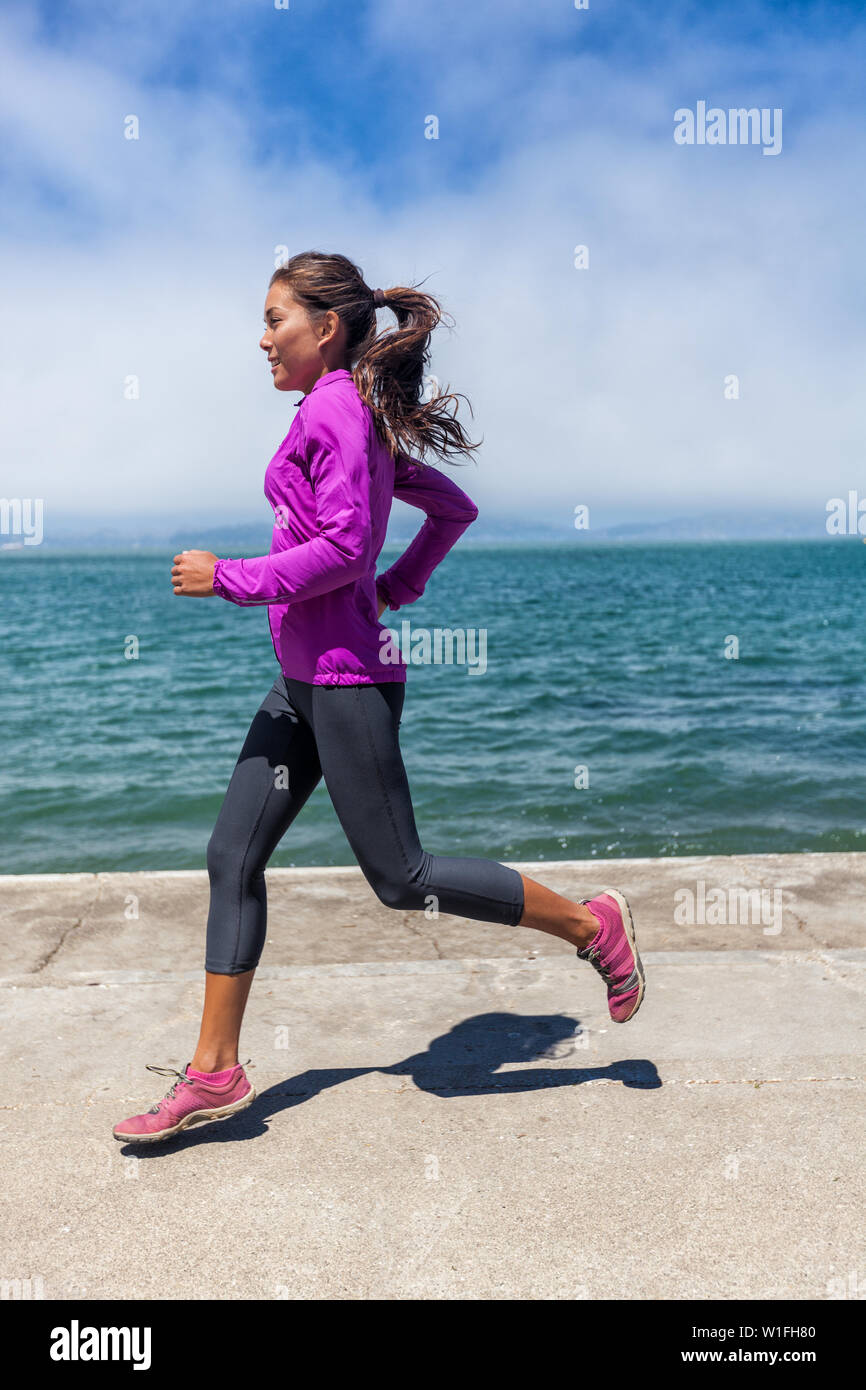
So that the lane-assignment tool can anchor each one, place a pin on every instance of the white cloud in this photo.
(603, 386)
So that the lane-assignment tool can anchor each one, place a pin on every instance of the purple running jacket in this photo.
(330, 484)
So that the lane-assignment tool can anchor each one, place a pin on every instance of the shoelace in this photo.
(169, 1095)
(619, 986)
(593, 956)
(181, 1077)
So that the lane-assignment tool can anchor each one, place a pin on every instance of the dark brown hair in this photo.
(387, 368)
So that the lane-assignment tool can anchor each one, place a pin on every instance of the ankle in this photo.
(210, 1062)
(585, 926)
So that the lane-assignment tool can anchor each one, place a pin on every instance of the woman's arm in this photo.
(334, 439)
(449, 512)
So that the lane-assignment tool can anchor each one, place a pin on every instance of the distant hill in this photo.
(254, 538)
(718, 528)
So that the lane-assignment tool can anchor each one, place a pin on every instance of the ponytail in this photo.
(387, 368)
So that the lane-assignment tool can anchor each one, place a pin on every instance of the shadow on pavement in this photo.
(462, 1062)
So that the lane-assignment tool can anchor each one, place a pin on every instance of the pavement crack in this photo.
(511, 1081)
(850, 981)
(49, 956)
(803, 927)
(67, 931)
(841, 972)
(428, 940)
(756, 1080)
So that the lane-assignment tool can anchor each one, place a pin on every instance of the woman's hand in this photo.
(192, 573)
(382, 606)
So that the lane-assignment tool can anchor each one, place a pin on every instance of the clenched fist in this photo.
(192, 573)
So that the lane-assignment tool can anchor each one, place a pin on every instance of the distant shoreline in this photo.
(119, 547)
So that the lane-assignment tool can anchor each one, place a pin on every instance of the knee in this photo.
(216, 858)
(397, 892)
(227, 861)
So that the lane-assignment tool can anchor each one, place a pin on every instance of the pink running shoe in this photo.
(613, 953)
(188, 1102)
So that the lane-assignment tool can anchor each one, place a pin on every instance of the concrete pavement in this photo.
(445, 1109)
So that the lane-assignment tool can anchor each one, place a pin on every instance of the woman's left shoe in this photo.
(613, 953)
(189, 1101)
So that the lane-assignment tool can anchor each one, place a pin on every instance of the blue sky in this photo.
(305, 127)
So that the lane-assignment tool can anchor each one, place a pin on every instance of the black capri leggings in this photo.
(349, 735)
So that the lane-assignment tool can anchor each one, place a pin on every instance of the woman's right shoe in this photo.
(613, 953)
(189, 1101)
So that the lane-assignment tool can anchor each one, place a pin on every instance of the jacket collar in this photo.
(339, 374)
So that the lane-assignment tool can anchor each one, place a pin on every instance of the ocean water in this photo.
(608, 658)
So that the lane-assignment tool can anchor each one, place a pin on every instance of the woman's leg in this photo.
(547, 911)
(356, 729)
(276, 771)
(225, 998)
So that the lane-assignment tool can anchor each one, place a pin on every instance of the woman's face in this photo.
(294, 348)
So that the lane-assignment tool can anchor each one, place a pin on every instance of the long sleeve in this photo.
(335, 447)
(449, 512)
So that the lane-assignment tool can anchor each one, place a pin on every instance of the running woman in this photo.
(334, 710)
